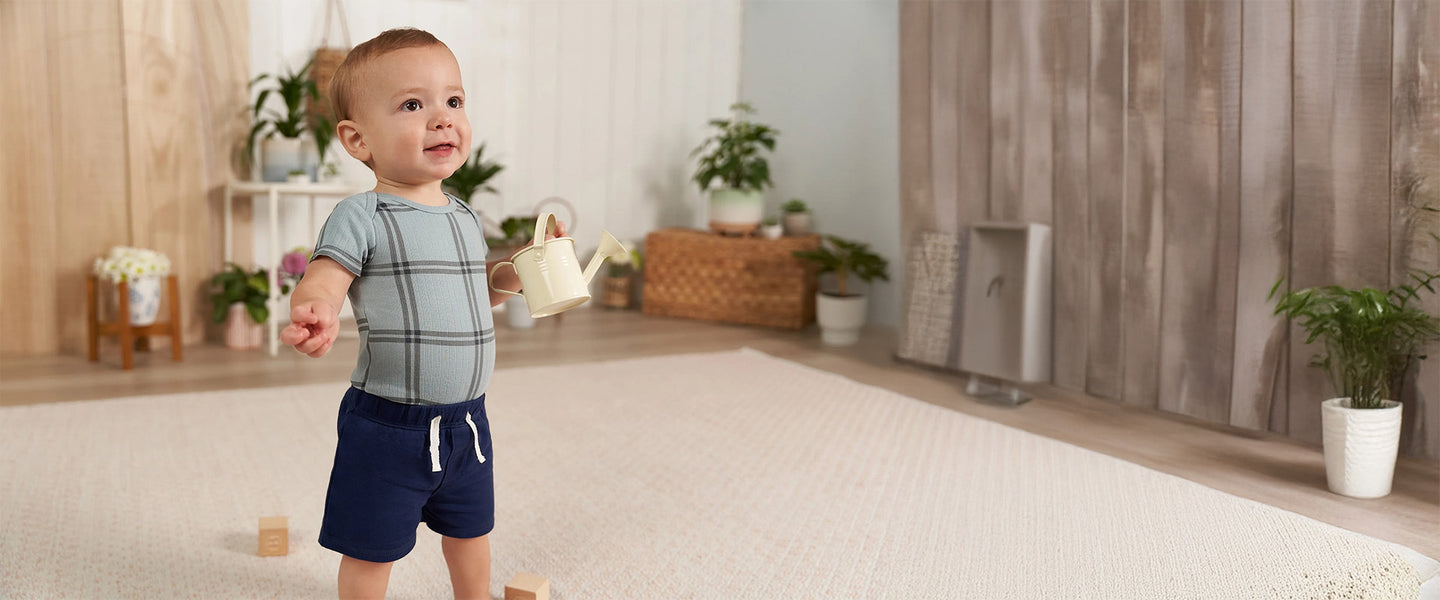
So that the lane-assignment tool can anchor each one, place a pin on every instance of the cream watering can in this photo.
(550, 277)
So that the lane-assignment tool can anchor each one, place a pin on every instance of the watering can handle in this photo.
(491, 277)
(543, 225)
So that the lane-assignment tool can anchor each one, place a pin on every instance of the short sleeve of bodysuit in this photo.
(348, 236)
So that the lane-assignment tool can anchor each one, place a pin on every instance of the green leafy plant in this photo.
(795, 205)
(473, 176)
(296, 89)
(844, 258)
(770, 221)
(235, 284)
(517, 230)
(732, 154)
(323, 129)
(1370, 336)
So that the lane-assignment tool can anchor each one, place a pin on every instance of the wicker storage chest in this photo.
(755, 281)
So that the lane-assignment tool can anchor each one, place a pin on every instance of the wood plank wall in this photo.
(123, 137)
(1187, 155)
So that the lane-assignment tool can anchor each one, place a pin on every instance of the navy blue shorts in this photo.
(395, 466)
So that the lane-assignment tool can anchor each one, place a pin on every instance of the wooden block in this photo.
(274, 536)
(525, 586)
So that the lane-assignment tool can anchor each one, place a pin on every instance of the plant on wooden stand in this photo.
(841, 313)
(1369, 339)
(733, 156)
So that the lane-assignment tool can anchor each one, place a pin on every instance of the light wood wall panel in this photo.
(1072, 192)
(1104, 226)
(28, 315)
(915, 123)
(1143, 237)
(1259, 388)
(1202, 113)
(1227, 145)
(183, 116)
(1415, 183)
(1022, 91)
(1342, 169)
(140, 105)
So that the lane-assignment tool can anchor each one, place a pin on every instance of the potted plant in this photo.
(280, 155)
(842, 313)
(771, 228)
(238, 300)
(1369, 339)
(797, 217)
(473, 176)
(322, 128)
(619, 279)
(733, 156)
(141, 270)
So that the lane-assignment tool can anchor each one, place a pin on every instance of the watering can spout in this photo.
(609, 248)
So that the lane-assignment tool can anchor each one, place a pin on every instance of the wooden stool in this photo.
(127, 333)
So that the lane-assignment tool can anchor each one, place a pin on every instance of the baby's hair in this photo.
(345, 83)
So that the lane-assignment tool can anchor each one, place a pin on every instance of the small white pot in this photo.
(840, 318)
(517, 313)
(772, 232)
(1360, 447)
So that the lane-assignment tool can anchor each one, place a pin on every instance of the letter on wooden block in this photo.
(525, 586)
(274, 536)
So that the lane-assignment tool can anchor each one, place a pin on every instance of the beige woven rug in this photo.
(725, 475)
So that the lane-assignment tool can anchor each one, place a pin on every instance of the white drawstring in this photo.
(435, 445)
(435, 442)
(475, 432)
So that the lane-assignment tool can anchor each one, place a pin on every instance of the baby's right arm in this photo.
(315, 307)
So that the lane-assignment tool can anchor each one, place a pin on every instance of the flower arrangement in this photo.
(125, 263)
(624, 265)
(292, 267)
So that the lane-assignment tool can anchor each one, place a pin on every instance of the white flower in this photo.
(124, 263)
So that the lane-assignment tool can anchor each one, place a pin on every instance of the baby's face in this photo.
(412, 115)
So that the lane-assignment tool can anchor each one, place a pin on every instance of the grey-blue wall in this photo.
(826, 74)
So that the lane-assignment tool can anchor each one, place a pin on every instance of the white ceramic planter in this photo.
(772, 232)
(1360, 447)
(840, 318)
(144, 295)
(280, 155)
(735, 211)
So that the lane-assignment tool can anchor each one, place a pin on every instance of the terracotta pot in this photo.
(242, 332)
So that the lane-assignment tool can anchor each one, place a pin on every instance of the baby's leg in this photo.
(362, 579)
(469, 562)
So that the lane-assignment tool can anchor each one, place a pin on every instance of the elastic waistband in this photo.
(415, 416)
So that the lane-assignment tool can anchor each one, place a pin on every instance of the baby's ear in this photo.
(352, 140)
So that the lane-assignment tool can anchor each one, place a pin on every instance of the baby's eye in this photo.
(410, 105)
(456, 102)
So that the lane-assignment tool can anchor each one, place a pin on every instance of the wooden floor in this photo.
(1259, 466)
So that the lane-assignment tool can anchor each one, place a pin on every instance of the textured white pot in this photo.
(281, 155)
(1360, 447)
(840, 318)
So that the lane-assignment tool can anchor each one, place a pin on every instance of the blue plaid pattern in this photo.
(420, 296)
